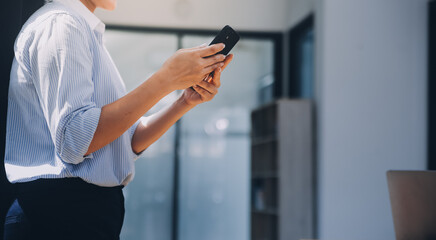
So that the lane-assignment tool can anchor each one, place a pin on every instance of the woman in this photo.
(72, 131)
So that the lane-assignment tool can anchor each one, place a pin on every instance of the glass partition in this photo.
(214, 143)
(148, 198)
(215, 148)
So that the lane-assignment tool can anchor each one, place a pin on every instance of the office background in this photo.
(364, 64)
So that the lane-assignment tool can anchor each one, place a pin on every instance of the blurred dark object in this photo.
(412, 198)
(302, 59)
(13, 15)
(432, 85)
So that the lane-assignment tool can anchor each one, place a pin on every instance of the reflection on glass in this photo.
(215, 147)
(149, 196)
(306, 52)
(137, 54)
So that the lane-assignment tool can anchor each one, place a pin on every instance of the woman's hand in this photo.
(188, 67)
(159, 123)
(207, 89)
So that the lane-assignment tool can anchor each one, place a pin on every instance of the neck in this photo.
(89, 4)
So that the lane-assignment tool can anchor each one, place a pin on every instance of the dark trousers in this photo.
(65, 209)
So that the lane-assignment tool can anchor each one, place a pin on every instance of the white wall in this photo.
(261, 15)
(254, 15)
(371, 73)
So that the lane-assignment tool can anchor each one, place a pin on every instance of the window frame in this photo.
(295, 64)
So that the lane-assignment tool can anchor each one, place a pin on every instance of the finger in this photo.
(211, 50)
(216, 80)
(212, 68)
(214, 59)
(229, 59)
(203, 93)
(211, 88)
(198, 47)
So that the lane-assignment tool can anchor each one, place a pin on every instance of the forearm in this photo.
(187, 67)
(117, 117)
(158, 124)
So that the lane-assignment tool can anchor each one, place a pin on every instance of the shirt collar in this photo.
(93, 21)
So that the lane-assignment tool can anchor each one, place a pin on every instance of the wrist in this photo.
(181, 101)
(160, 79)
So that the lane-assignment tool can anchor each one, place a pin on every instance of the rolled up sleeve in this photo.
(135, 156)
(62, 68)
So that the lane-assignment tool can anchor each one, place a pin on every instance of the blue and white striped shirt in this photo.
(61, 77)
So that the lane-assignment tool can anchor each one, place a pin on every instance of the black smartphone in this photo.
(229, 37)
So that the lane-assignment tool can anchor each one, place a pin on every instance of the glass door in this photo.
(215, 147)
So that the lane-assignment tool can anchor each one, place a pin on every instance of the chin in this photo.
(110, 5)
(111, 8)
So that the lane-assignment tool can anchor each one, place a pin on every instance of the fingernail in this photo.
(224, 46)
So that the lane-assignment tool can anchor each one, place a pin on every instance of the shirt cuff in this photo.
(78, 134)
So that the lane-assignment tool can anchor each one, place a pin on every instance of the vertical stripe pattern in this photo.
(62, 75)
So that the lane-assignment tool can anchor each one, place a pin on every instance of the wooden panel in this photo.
(282, 179)
(296, 200)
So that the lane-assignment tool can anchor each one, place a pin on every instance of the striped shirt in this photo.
(61, 77)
